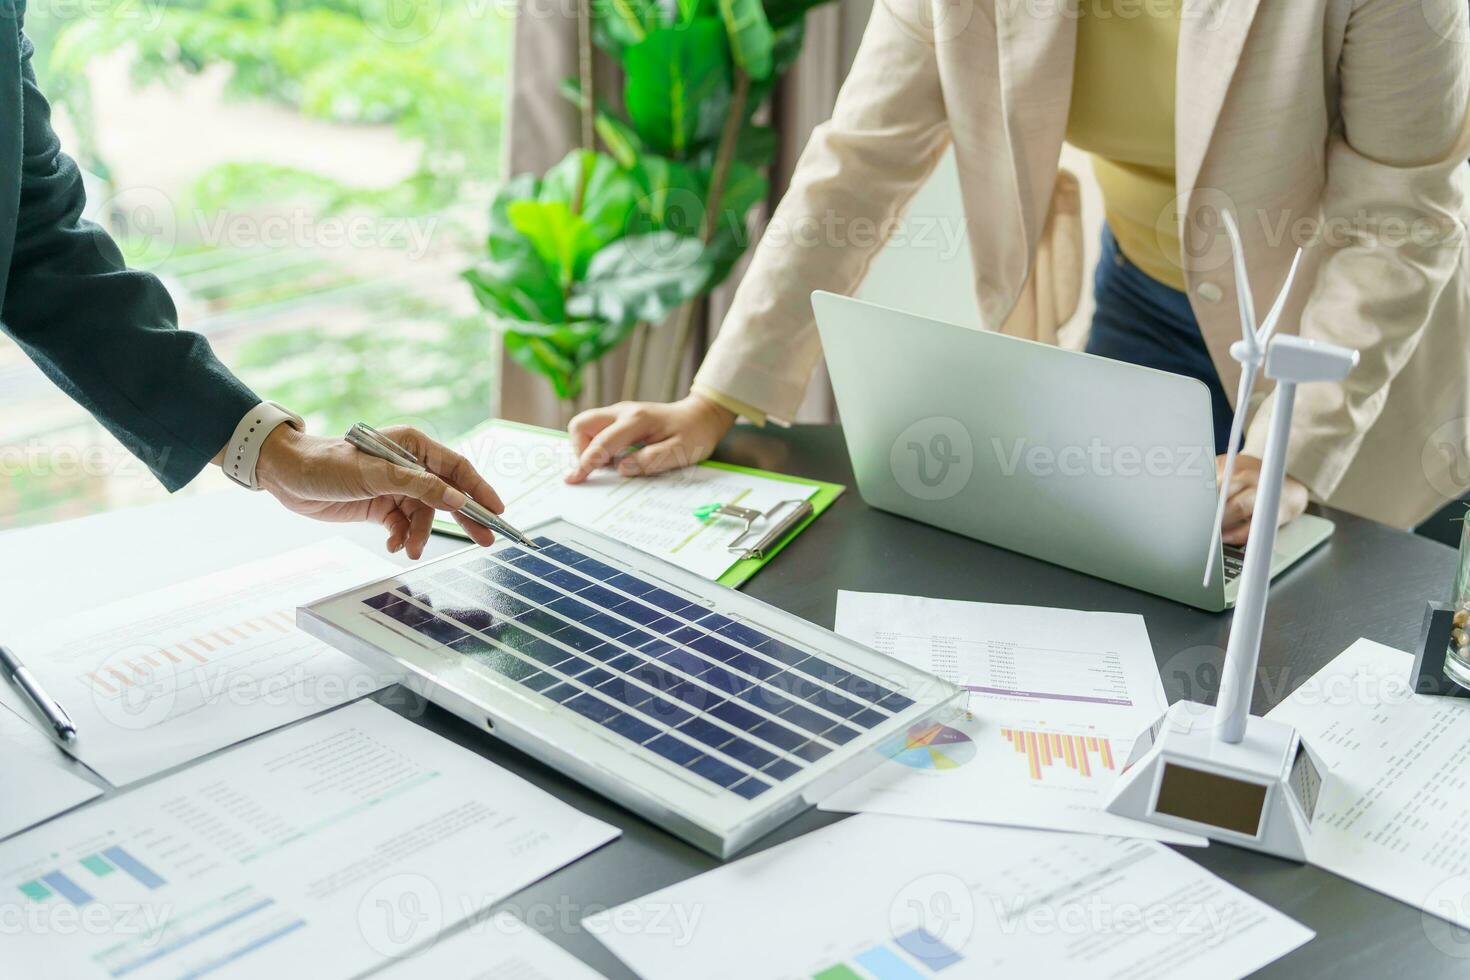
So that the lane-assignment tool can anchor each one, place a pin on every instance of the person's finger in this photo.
(420, 524)
(449, 466)
(585, 425)
(397, 524)
(1237, 536)
(379, 478)
(479, 533)
(1238, 512)
(606, 445)
(670, 454)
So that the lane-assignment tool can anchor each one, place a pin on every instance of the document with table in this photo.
(1392, 808)
(654, 514)
(324, 850)
(896, 898)
(1057, 697)
(36, 781)
(171, 675)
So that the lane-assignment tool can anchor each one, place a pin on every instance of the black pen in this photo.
(55, 715)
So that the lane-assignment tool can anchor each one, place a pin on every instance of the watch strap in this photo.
(242, 453)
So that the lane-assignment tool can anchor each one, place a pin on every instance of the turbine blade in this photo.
(1237, 426)
(1274, 314)
(1242, 284)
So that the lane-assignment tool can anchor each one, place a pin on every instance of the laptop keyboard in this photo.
(1234, 562)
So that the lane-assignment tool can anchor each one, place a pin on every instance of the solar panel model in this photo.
(711, 713)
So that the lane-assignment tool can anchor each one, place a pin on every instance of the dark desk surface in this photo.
(1368, 581)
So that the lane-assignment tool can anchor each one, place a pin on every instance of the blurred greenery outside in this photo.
(377, 333)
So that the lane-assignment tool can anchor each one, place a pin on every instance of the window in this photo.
(307, 177)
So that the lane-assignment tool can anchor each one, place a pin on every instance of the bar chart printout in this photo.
(163, 678)
(1082, 754)
(252, 864)
(874, 898)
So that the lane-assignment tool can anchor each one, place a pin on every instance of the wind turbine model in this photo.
(1220, 771)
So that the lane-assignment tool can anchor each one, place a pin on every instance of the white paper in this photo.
(654, 514)
(1057, 697)
(989, 902)
(323, 850)
(36, 781)
(171, 675)
(1392, 808)
(501, 947)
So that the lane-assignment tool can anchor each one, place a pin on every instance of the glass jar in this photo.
(1457, 661)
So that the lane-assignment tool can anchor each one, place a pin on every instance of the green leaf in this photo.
(503, 241)
(678, 86)
(622, 140)
(624, 22)
(608, 199)
(756, 145)
(564, 240)
(750, 36)
(673, 195)
(641, 279)
(521, 288)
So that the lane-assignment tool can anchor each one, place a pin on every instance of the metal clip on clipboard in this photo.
(796, 511)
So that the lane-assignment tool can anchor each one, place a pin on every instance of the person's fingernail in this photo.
(628, 468)
(454, 500)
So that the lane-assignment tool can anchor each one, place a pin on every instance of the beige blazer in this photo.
(1340, 125)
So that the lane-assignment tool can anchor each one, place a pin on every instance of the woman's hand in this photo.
(1241, 503)
(329, 480)
(672, 435)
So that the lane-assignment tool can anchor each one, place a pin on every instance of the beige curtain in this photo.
(541, 127)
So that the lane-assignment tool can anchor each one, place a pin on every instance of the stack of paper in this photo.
(1057, 697)
(169, 676)
(656, 514)
(36, 781)
(324, 850)
(1394, 801)
(891, 898)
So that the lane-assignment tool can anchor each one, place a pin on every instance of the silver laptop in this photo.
(1094, 464)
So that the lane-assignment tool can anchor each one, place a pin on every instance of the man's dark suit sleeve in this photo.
(105, 334)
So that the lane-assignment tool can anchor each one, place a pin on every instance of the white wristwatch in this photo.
(243, 451)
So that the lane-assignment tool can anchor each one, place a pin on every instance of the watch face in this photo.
(1212, 799)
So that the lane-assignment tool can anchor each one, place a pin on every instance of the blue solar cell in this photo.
(532, 565)
(604, 598)
(535, 592)
(661, 709)
(811, 751)
(804, 717)
(509, 606)
(603, 653)
(471, 645)
(379, 601)
(594, 677)
(816, 694)
(896, 703)
(690, 663)
(472, 618)
(750, 788)
(741, 717)
(593, 568)
(675, 750)
(503, 663)
(666, 600)
(640, 613)
(840, 734)
(543, 652)
(540, 682)
(750, 754)
(630, 585)
(716, 771)
(407, 613)
(560, 552)
(623, 661)
(710, 734)
(781, 769)
(562, 692)
(439, 630)
(778, 735)
(576, 639)
(631, 728)
(741, 633)
(575, 666)
(692, 694)
(655, 648)
(566, 579)
(684, 635)
(541, 621)
(725, 682)
(869, 718)
(788, 655)
(625, 691)
(592, 706)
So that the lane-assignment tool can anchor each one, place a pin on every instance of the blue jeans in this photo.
(1141, 320)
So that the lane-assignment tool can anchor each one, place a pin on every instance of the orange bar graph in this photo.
(1043, 749)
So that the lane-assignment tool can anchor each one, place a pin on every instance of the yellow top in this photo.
(1123, 114)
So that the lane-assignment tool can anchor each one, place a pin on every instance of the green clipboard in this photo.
(740, 572)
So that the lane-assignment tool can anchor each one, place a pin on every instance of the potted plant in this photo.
(667, 202)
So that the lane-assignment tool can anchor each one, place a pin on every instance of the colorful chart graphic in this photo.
(930, 746)
(112, 680)
(914, 955)
(57, 883)
(1043, 749)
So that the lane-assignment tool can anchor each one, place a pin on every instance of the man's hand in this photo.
(329, 480)
(672, 435)
(1241, 503)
